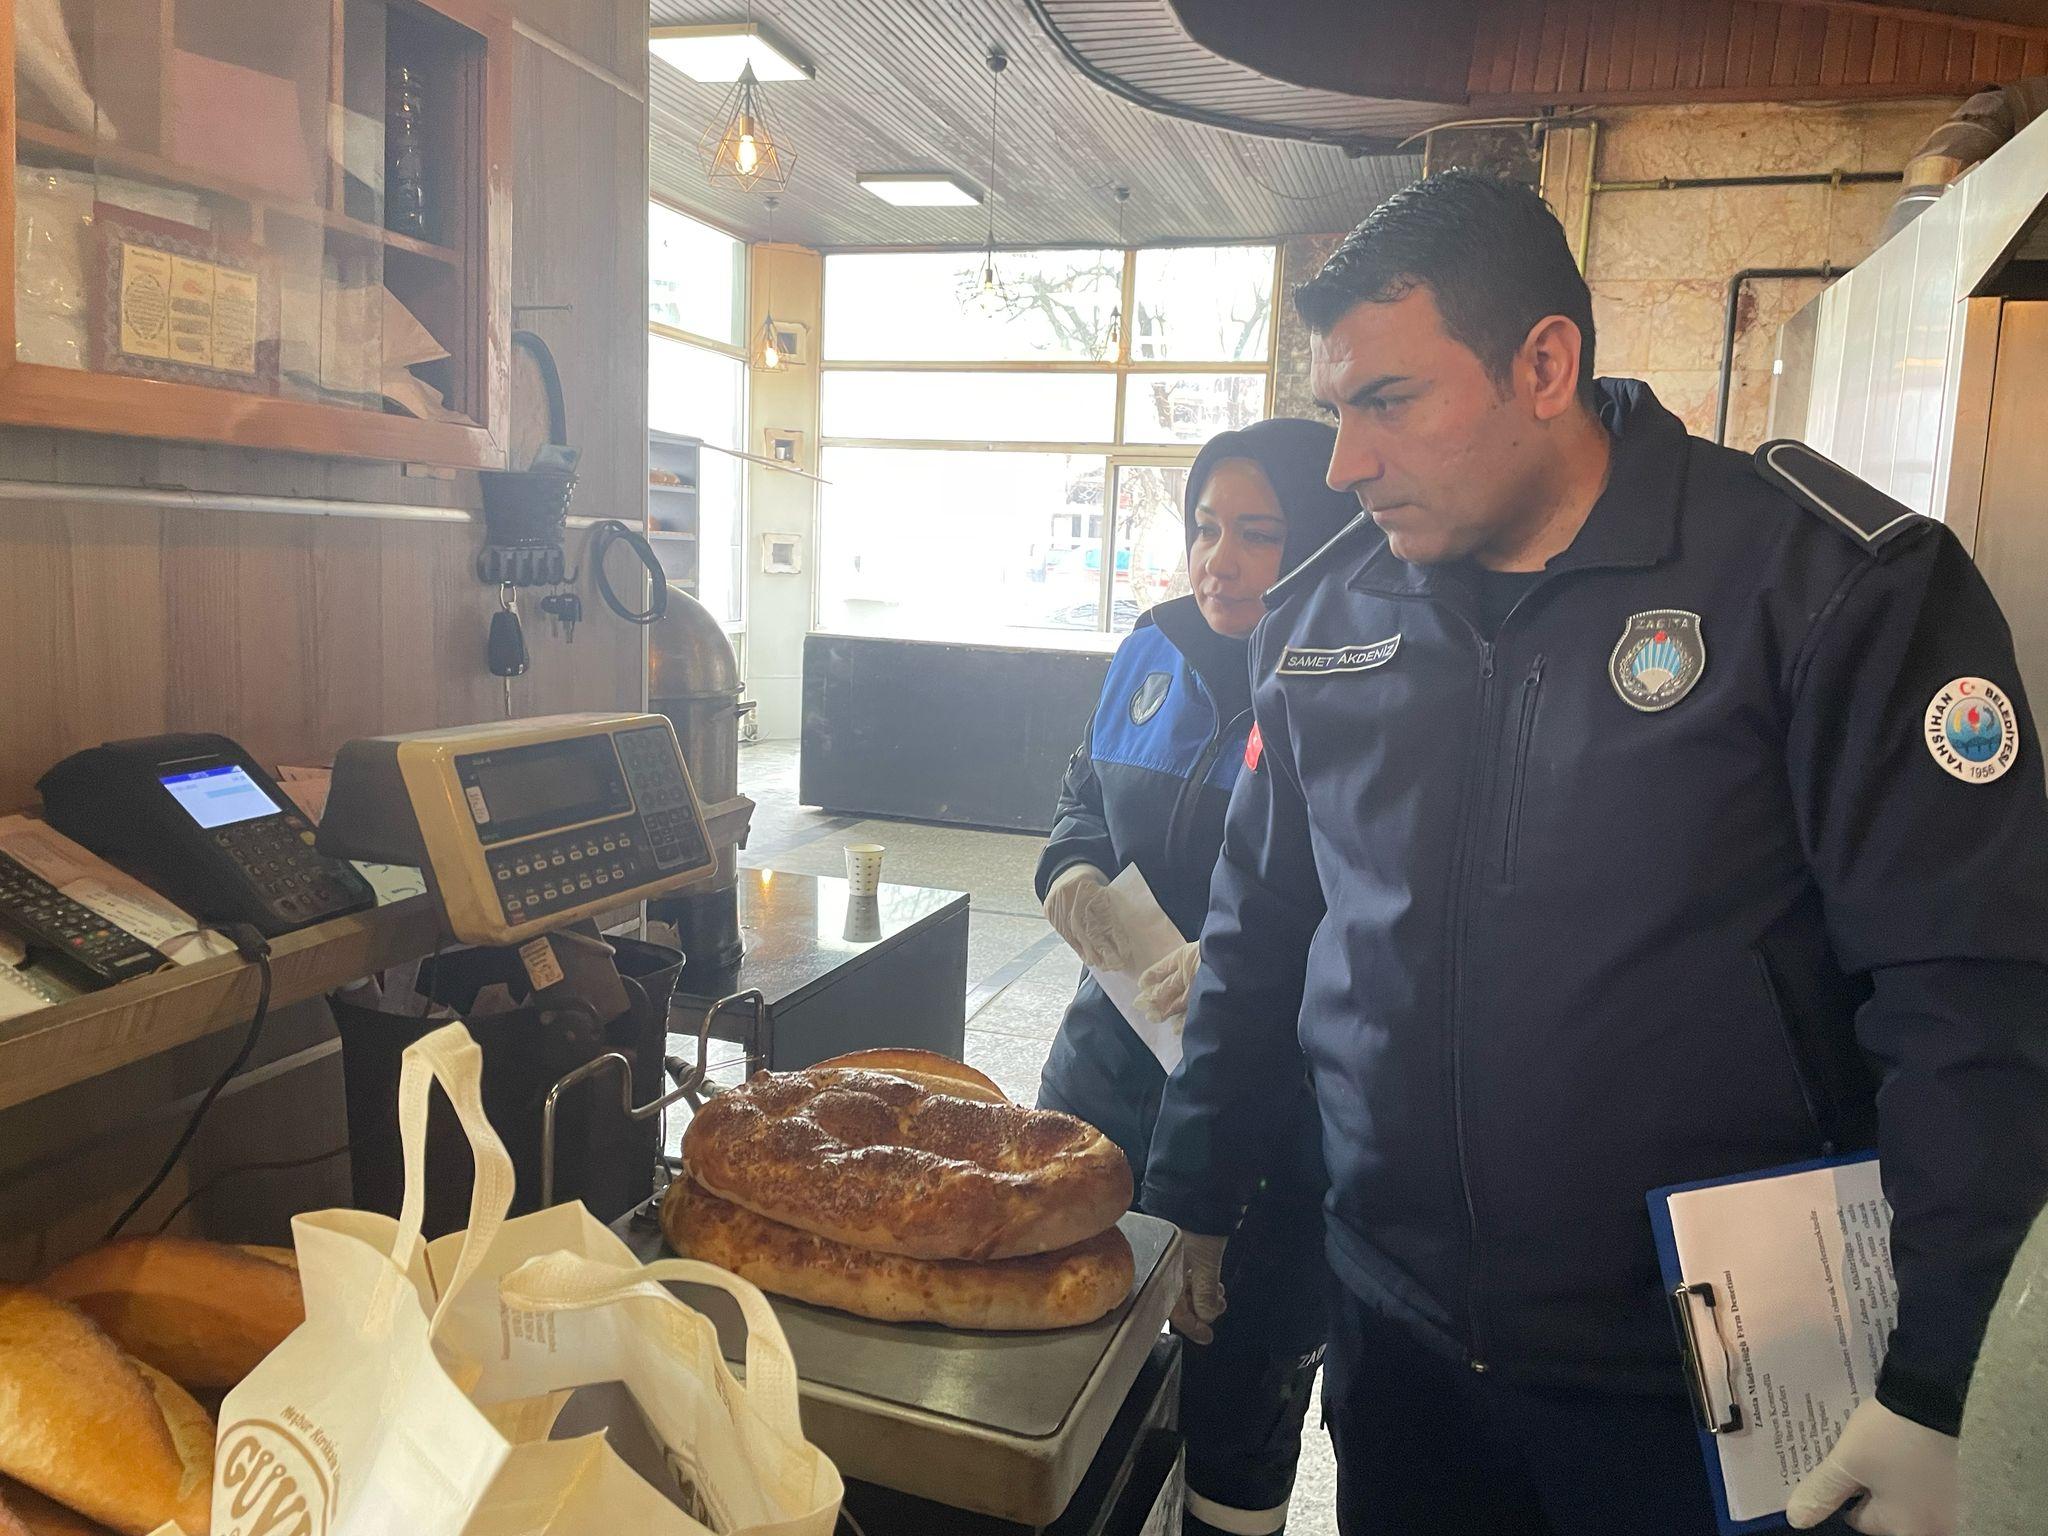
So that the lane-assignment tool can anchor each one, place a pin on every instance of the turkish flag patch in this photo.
(1254, 748)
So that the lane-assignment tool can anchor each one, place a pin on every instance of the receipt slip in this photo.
(1781, 1290)
(1153, 938)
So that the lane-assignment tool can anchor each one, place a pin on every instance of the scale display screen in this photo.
(523, 790)
(220, 796)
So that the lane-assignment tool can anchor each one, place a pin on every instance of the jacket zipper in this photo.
(1518, 771)
(1454, 1044)
(1487, 753)
(1179, 825)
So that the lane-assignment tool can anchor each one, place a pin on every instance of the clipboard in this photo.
(1821, 1292)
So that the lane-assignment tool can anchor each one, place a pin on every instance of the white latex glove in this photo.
(1081, 911)
(1905, 1472)
(1201, 1287)
(1163, 989)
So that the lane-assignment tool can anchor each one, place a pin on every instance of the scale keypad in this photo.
(655, 773)
(552, 874)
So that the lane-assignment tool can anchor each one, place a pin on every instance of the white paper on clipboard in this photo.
(1153, 937)
(1799, 1260)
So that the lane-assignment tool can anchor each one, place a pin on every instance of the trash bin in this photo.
(602, 1159)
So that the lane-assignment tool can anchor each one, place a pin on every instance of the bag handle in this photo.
(451, 1058)
(560, 1282)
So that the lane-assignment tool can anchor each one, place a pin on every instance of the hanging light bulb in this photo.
(768, 350)
(990, 297)
(739, 149)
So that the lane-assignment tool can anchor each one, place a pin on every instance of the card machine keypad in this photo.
(296, 884)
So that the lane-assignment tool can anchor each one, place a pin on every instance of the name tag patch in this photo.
(1305, 661)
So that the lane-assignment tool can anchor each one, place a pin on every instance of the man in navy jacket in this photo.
(1636, 813)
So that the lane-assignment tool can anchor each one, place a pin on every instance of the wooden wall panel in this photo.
(581, 164)
(1748, 50)
(288, 633)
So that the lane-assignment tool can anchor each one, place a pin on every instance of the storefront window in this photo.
(697, 388)
(971, 448)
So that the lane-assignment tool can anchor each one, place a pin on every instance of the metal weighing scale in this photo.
(1002, 1424)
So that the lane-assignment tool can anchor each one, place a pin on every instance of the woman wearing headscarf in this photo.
(1148, 787)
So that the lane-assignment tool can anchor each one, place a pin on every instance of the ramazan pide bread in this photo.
(941, 1074)
(879, 1161)
(1048, 1290)
(96, 1430)
(202, 1313)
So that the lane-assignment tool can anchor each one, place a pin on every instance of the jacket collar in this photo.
(1633, 523)
(1223, 664)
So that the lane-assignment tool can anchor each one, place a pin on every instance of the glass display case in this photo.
(278, 225)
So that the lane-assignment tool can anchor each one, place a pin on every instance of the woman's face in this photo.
(1239, 533)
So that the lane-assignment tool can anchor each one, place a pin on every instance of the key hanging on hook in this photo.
(505, 648)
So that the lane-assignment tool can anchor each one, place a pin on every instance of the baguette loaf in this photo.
(941, 1074)
(24, 1512)
(202, 1313)
(1049, 1290)
(875, 1160)
(94, 1429)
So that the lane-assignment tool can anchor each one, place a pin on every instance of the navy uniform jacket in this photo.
(1664, 882)
(1149, 787)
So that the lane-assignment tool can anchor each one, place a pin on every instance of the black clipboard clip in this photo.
(1705, 1402)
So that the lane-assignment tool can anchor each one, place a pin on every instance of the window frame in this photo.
(1123, 367)
(737, 352)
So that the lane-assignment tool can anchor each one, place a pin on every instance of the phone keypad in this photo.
(78, 940)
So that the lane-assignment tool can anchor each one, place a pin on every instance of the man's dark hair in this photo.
(1490, 251)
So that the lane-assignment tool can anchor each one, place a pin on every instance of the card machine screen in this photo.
(219, 796)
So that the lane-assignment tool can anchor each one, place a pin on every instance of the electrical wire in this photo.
(609, 532)
(252, 946)
(203, 1190)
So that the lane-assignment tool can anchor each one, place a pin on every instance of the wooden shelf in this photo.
(140, 163)
(57, 1046)
(673, 536)
(672, 490)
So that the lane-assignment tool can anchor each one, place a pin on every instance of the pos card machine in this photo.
(197, 819)
(524, 826)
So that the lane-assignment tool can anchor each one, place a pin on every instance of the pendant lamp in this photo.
(990, 296)
(739, 148)
(768, 346)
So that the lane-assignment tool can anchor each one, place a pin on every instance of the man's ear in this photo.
(1548, 365)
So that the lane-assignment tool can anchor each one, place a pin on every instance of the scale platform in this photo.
(1003, 1424)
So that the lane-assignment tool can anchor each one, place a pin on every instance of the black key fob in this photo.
(506, 649)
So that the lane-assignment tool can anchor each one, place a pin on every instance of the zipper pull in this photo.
(1535, 673)
(1486, 660)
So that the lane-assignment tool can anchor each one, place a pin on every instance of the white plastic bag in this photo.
(413, 1399)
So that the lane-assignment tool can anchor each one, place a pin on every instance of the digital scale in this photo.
(523, 827)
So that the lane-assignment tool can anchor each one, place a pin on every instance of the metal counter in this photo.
(1002, 1424)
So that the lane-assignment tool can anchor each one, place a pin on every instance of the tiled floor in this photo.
(1019, 974)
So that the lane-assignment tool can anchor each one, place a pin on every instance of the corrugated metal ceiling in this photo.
(901, 86)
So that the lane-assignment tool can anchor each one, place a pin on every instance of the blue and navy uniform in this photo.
(1698, 865)
(1149, 787)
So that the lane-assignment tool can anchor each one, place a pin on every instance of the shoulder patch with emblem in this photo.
(1313, 661)
(1149, 695)
(1973, 730)
(1854, 508)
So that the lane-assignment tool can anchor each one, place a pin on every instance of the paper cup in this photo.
(863, 869)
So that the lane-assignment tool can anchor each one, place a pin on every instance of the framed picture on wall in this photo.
(783, 445)
(793, 341)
